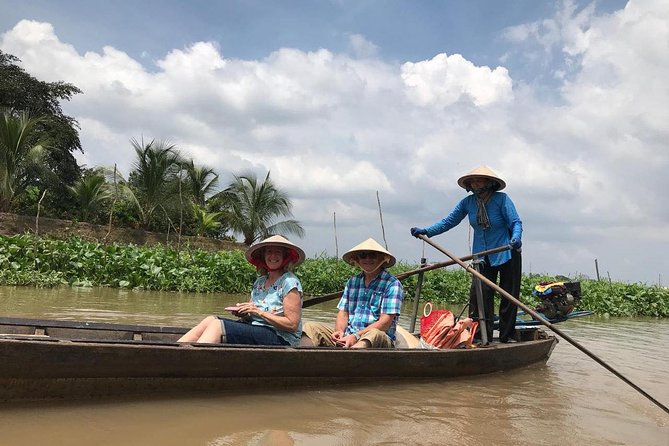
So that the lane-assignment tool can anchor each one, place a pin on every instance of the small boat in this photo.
(42, 359)
(525, 320)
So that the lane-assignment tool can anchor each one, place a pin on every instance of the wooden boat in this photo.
(63, 359)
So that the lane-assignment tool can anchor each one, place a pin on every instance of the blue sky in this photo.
(341, 99)
(252, 29)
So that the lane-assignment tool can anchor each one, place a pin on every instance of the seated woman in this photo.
(273, 316)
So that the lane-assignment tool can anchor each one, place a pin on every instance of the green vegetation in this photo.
(250, 207)
(23, 95)
(17, 155)
(29, 260)
(35, 261)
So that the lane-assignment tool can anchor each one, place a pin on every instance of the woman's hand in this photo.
(248, 309)
(289, 320)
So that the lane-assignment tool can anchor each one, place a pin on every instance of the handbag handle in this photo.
(425, 308)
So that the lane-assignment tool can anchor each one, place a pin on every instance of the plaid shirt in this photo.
(366, 304)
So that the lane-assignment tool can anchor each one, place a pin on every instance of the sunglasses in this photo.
(366, 254)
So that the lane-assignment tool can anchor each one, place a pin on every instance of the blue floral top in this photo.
(271, 300)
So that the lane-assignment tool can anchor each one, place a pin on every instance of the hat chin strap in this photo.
(378, 267)
(368, 270)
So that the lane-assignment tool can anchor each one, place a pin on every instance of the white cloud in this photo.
(444, 80)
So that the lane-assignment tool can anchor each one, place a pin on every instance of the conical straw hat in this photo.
(295, 252)
(481, 171)
(370, 244)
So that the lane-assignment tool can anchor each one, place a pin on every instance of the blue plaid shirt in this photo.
(365, 304)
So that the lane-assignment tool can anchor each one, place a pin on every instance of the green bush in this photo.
(28, 260)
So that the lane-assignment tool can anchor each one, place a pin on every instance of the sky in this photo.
(368, 111)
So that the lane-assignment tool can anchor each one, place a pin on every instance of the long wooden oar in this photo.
(404, 275)
(543, 321)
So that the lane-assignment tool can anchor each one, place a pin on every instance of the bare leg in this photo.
(213, 334)
(195, 334)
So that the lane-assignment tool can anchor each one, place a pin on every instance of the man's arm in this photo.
(342, 321)
(340, 327)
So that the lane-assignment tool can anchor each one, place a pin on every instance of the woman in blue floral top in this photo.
(273, 316)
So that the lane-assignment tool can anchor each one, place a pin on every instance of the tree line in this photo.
(164, 191)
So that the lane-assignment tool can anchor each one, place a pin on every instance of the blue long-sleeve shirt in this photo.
(505, 224)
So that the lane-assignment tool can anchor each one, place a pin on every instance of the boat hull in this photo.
(43, 366)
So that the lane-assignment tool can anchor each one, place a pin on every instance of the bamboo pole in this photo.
(39, 206)
(334, 218)
(383, 229)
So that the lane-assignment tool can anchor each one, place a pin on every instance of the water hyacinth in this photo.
(41, 262)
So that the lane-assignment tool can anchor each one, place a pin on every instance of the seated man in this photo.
(369, 306)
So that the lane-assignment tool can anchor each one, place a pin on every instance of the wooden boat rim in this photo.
(78, 325)
(48, 323)
(53, 323)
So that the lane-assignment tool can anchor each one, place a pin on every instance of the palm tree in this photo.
(17, 156)
(206, 222)
(155, 176)
(200, 181)
(90, 193)
(252, 208)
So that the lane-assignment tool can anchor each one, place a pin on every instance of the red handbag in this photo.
(429, 318)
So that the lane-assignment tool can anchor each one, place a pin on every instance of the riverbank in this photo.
(14, 224)
(29, 260)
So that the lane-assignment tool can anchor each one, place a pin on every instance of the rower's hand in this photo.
(418, 231)
(516, 243)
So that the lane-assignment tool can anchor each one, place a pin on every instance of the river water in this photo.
(570, 400)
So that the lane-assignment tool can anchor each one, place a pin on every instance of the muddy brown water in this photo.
(570, 400)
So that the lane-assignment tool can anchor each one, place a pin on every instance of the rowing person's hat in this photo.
(351, 256)
(481, 171)
(255, 257)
